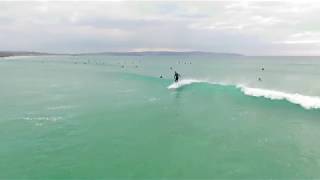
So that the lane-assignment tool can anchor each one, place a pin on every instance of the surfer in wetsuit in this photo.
(176, 76)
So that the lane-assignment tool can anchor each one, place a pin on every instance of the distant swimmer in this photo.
(259, 79)
(170, 68)
(161, 76)
(262, 69)
(176, 76)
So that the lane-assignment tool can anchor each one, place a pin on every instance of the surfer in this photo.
(176, 76)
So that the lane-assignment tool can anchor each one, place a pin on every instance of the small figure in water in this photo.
(262, 69)
(161, 76)
(176, 76)
(259, 79)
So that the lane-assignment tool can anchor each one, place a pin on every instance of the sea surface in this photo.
(113, 117)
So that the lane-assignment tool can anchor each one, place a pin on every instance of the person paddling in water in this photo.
(176, 76)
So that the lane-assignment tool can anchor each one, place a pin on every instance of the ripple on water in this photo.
(127, 91)
(61, 107)
(43, 118)
(153, 99)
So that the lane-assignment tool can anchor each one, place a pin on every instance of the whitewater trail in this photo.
(307, 102)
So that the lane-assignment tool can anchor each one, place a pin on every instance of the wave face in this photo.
(307, 102)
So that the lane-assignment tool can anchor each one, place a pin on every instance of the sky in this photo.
(245, 27)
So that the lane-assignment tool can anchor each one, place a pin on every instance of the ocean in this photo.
(113, 117)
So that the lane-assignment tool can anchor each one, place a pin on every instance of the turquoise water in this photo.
(113, 117)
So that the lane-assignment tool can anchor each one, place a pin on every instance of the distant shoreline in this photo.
(143, 53)
(4, 54)
(20, 53)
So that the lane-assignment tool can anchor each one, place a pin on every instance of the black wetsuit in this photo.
(176, 77)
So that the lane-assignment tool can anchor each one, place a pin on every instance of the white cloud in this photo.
(248, 27)
(301, 42)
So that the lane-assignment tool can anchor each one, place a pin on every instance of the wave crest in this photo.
(307, 102)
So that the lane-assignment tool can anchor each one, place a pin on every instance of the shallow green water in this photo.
(87, 117)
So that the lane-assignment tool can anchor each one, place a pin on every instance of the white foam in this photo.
(307, 102)
(184, 82)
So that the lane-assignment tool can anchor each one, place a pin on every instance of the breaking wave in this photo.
(307, 102)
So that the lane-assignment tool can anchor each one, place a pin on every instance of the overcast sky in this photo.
(251, 28)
